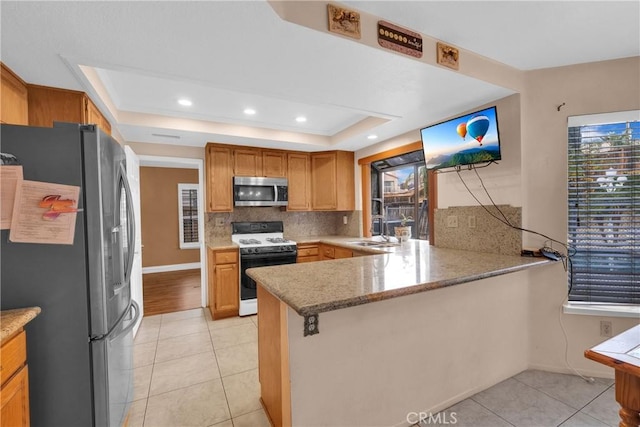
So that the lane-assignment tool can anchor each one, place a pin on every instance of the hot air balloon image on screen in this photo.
(462, 130)
(477, 127)
(445, 144)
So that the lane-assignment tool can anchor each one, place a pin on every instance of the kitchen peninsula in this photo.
(378, 345)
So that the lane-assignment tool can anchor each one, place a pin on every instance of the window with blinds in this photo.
(604, 208)
(188, 215)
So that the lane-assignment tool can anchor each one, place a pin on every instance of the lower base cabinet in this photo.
(334, 252)
(308, 253)
(224, 283)
(15, 382)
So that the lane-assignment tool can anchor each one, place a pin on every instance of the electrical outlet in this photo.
(472, 221)
(605, 328)
(452, 221)
(219, 222)
(344, 220)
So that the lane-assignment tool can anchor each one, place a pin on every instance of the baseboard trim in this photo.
(172, 267)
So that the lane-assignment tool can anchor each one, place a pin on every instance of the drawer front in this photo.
(307, 251)
(14, 355)
(329, 252)
(312, 258)
(228, 257)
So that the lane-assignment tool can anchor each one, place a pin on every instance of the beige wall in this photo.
(586, 89)
(422, 352)
(159, 206)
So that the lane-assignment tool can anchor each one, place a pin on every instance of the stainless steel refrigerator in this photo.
(80, 348)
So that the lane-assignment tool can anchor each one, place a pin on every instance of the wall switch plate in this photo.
(605, 328)
(472, 221)
(344, 219)
(452, 221)
(219, 222)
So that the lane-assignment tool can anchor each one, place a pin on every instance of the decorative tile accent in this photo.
(489, 235)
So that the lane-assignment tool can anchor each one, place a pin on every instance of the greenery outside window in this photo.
(604, 208)
(188, 216)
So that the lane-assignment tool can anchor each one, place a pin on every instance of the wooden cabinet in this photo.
(15, 382)
(274, 163)
(334, 252)
(50, 104)
(14, 102)
(247, 162)
(224, 294)
(219, 175)
(332, 181)
(308, 252)
(299, 176)
(257, 162)
(318, 181)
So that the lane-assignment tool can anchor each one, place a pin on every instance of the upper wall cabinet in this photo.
(219, 178)
(299, 176)
(274, 163)
(49, 104)
(332, 181)
(14, 109)
(318, 181)
(247, 162)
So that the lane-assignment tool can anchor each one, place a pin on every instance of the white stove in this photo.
(261, 244)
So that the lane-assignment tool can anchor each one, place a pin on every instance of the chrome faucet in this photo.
(383, 229)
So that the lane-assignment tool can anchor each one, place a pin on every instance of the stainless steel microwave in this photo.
(259, 191)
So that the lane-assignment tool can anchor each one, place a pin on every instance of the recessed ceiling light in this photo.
(372, 137)
(301, 119)
(249, 111)
(185, 102)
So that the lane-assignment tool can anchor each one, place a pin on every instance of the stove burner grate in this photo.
(277, 240)
(250, 241)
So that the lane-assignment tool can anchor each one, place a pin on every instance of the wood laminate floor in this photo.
(171, 291)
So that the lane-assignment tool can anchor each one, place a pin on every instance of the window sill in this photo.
(195, 245)
(604, 310)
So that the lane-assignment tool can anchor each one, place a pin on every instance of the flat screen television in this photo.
(465, 140)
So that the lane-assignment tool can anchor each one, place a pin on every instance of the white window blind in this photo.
(188, 215)
(604, 210)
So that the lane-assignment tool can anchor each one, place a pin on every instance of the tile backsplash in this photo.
(488, 235)
(295, 223)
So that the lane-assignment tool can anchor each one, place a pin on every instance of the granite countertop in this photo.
(221, 244)
(412, 267)
(13, 320)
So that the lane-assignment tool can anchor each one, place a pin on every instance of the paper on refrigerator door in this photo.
(44, 213)
(9, 178)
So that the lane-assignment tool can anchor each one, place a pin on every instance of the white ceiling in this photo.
(227, 56)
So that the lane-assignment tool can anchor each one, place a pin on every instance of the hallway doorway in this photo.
(174, 274)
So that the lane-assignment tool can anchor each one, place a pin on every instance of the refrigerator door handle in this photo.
(134, 319)
(131, 232)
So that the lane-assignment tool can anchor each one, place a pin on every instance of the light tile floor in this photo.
(193, 371)
(190, 370)
(536, 399)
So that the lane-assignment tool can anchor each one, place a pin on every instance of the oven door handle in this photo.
(248, 257)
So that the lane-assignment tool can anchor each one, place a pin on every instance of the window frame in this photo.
(365, 180)
(588, 294)
(188, 187)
